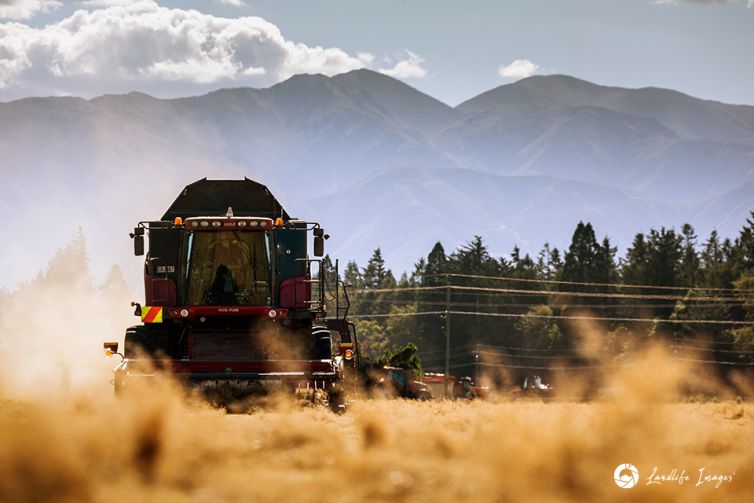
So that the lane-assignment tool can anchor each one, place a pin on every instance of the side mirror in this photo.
(319, 246)
(139, 245)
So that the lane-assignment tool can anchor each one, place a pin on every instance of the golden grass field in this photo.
(156, 444)
(65, 437)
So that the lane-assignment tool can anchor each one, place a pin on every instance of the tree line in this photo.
(669, 285)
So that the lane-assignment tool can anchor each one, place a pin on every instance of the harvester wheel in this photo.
(337, 401)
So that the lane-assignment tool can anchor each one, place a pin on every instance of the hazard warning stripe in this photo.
(151, 314)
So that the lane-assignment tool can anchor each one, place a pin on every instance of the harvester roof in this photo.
(213, 197)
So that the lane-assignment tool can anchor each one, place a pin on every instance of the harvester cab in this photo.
(233, 302)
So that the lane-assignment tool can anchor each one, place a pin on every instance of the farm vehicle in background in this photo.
(400, 383)
(463, 387)
(533, 387)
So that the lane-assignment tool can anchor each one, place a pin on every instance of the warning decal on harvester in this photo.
(151, 314)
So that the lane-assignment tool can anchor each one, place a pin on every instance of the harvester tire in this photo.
(336, 400)
(136, 340)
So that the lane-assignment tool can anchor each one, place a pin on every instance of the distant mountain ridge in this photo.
(383, 164)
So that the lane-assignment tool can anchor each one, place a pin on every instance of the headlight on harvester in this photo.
(111, 348)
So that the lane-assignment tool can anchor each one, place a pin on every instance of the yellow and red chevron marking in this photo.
(151, 314)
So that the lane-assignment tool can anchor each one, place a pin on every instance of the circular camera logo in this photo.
(626, 476)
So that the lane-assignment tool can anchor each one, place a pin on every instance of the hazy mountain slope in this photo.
(689, 117)
(383, 163)
(454, 205)
(727, 212)
(407, 105)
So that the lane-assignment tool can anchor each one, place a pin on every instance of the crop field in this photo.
(157, 444)
(64, 436)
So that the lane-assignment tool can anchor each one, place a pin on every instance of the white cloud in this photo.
(409, 68)
(142, 46)
(519, 69)
(24, 9)
(369, 58)
(105, 3)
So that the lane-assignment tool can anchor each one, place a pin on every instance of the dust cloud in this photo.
(64, 436)
(52, 327)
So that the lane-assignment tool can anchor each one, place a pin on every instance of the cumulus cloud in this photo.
(519, 69)
(105, 3)
(24, 9)
(408, 68)
(143, 46)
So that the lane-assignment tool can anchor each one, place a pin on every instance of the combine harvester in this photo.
(234, 305)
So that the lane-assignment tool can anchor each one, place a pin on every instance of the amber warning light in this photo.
(111, 348)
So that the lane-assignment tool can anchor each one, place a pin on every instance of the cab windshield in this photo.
(227, 268)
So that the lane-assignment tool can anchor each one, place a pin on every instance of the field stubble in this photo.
(157, 444)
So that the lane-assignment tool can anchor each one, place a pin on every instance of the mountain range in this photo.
(379, 163)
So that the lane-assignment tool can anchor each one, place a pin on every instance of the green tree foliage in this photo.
(633, 268)
(664, 257)
(404, 357)
(539, 332)
(690, 261)
(470, 283)
(372, 339)
(582, 260)
(375, 275)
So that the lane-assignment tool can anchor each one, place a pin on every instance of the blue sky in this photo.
(450, 50)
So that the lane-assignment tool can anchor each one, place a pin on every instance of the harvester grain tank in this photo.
(234, 305)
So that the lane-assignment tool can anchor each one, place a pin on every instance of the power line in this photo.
(441, 291)
(530, 304)
(556, 317)
(390, 315)
(585, 367)
(550, 293)
(710, 350)
(574, 367)
(691, 360)
(587, 283)
(505, 350)
(598, 318)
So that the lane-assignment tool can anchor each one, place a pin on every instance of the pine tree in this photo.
(689, 267)
(352, 276)
(743, 248)
(437, 265)
(376, 275)
(634, 267)
(583, 257)
(605, 268)
(663, 257)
